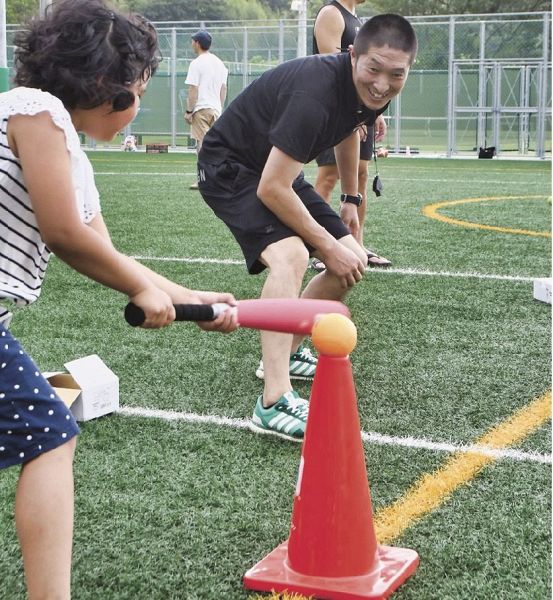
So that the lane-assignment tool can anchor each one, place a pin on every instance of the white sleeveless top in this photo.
(23, 254)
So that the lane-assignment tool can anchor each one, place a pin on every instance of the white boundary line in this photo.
(144, 174)
(368, 437)
(391, 271)
(201, 260)
(421, 179)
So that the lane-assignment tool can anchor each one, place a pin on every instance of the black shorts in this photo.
(230, 190)
(327, 158)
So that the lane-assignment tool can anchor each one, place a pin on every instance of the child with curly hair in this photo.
(82, 68)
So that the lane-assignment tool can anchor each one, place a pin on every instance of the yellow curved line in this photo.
(431, 211)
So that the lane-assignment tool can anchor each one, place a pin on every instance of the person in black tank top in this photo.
(336, 16)
(352, 25)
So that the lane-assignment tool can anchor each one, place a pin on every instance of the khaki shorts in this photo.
(202, 121)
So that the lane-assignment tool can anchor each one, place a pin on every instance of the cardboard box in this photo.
(542, 289)
(89, 387)
(157, 148)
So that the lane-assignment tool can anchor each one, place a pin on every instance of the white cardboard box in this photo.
(89, 387)
(542, 289)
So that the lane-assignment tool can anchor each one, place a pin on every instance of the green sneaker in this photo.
(287, 418)
(302, 365)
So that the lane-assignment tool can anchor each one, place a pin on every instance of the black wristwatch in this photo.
(357, 200)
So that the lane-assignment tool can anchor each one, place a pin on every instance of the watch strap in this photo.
(357, 200)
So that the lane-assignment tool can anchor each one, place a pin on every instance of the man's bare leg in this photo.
(327, 176)
(326, 286)
(287, 261)
(362, 179)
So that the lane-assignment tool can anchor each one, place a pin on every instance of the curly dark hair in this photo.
(86, 54)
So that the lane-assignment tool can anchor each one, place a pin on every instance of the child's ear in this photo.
(122, 100)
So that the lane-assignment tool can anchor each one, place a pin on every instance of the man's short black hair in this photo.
(86, 54)
(386, 30)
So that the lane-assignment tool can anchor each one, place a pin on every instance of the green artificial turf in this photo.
(176, 510)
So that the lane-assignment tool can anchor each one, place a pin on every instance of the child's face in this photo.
(103, 123)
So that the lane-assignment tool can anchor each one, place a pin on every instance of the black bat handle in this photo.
(135, 316)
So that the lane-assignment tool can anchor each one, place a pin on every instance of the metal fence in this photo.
(479, 80)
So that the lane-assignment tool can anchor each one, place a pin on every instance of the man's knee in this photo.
(287, 258)
(350, 242)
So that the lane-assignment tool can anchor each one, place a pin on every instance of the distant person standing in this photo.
(207, 89)
(336, 26)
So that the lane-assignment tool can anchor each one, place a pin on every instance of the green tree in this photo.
(247, 9)
(18, 11)
(278, 6)
(458, 7)
(192, 10)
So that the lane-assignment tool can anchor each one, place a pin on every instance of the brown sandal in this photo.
(376, 261)
(317, 265)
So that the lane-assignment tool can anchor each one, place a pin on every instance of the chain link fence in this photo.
(478, 80)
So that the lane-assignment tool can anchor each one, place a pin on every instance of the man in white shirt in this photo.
(207, 89)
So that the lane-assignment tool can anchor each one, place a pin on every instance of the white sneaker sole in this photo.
(256, 429)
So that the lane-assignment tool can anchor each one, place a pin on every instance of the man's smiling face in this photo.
(379, 75)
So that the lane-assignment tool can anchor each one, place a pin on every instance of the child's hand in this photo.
(157, 306)
(225, 322)
(214, 297)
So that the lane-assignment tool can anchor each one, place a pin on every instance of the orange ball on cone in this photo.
(334, 335)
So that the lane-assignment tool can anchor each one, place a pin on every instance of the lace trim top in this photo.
(23, 254)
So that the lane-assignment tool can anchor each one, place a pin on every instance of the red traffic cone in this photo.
(332, 551)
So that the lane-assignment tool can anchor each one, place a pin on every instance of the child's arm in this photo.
(225, 322)
(45, 161)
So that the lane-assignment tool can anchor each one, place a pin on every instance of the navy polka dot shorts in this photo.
(33, 419)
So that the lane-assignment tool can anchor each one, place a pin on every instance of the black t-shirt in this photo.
(352, 24)
(301, 107)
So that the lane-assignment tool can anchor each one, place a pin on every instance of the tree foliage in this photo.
(192, 10)
(18, 11)
(458, 7)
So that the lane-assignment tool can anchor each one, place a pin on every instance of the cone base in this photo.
(393, 567)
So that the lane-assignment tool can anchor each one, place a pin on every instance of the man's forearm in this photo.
(347, 161)
(286, 205)
(192, 98)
